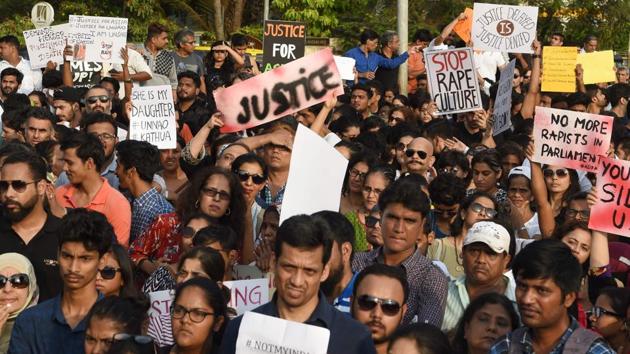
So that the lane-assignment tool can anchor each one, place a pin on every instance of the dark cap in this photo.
(69, 94)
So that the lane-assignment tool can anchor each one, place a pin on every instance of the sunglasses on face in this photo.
(478, 208)
(108, 272)
(102, 98)
(597, 312)
(401, 147)
(446, 213)
(18, 281)
(516, 76)
(212, 193)
(421, 154)
(188, 232)
(584, 214)
(561, 172)
(371, 221)
(244, 177)
(18, 186)
(138, 339)
(368, 303)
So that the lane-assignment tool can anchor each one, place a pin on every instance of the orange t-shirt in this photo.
(415, 62)
(107, 201)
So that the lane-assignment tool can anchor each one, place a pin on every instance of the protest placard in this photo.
(559, 69)
(571, 139)
(279, 92)
(248, 294)
(283, 42)
(45, 44)
(153, 116)
(504, 28)
(246, 271)
(160, 317)
(611, 213)
(98, 39)
(502, 113)
(85, 73)
(463, 28)
(345, 66)
(453, 80)
(259, 333)
(316, 176)
(598, 66)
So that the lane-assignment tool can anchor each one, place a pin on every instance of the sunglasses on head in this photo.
(244, 176)
(371, 221)
(421, 154)
(18, 281)
(109, 272)
(18, 186)
(478, 208)
(102, 98)
(368, 303)
(561, 172)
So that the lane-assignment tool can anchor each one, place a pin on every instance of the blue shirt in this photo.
(109, 174)
(43, 329)
(347, 336)
(342, 302)
(144, 210)
(265, 199)
(373, 61)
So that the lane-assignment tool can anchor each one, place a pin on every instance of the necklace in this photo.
(459, 258)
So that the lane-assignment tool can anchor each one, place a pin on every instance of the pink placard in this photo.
(279, 92)
(611, 213)
(571, 139)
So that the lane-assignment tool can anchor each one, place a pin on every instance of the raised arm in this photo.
(546, 220)
(449, 28)
(320, 120)
(529, 103)
(66, 73)
(199, 140)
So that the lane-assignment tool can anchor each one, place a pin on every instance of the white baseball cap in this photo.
(490, 233)
(521, 170)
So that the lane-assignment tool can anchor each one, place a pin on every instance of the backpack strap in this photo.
(580, 341)
(516, 341)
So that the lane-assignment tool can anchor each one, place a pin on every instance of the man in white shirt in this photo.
(139, 71)
(487, 63)
(9, 50)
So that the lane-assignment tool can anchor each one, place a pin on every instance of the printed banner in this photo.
(504, 28)
(571, 139)
(611, 213)
(259, 333)
(502, 113)
(85, 73)
(279, 92)
(283, 42)
(598, 66)
(453, 80)
(248, 294)
(153, 116)
(98, 39)
(45, 44)
(559, 69)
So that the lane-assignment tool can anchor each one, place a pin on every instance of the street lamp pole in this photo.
(403, 34)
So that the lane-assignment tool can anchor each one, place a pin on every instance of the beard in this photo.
(334, 277)
(8, 90)
(18, 214)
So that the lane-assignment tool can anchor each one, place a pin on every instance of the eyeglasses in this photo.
(560, 173)
(584, 214)
(105, 136)
(597, 312)
(368, 303)
(102, 98)
(244, 177)
(17, 185)
(421, 154)
(478, 208)
(369, 190)
(109, 272)
(371, 221)
(354, 173)
(195, 315)
(212, 193)
(279, 147)
(446, 213)
(18, 281)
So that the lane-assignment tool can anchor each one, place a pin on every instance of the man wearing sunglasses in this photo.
(419, 156)
(57, 326)
(26, 227)
(486, 255)
(379, 301)
(405, 208)
(138, 162)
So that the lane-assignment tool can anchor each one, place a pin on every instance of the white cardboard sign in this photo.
(504, 28)
(97, 39)
(153, 116)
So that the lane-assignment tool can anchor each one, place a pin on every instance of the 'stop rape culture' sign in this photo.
(97, 39)
(279, 92)
(571, 139)
(504, 28)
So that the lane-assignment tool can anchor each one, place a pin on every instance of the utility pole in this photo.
(403, 34)
(266, 10)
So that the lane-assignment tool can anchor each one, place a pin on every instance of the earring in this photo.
(228, 211)
(197, 204)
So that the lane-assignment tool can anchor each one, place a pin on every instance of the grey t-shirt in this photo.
(190, 63)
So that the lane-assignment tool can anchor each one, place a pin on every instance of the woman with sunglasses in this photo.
(352, 192)
(110, 318)
(375, 182)
(486, 172)
(448, 250)
(18, 292)
(486, 318)
(199, 317)
(373, 228)
(115, 276)
(215, 192)
(221, 63)
(608, 317)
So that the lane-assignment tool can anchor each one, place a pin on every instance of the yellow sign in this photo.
(559, 69)
(597, 66)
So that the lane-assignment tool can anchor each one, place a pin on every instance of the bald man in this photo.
(419, 156)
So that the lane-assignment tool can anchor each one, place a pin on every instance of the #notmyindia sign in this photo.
(611, 213)
(571, 139)
(279, 92)
(453, 80)
(504, 28)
